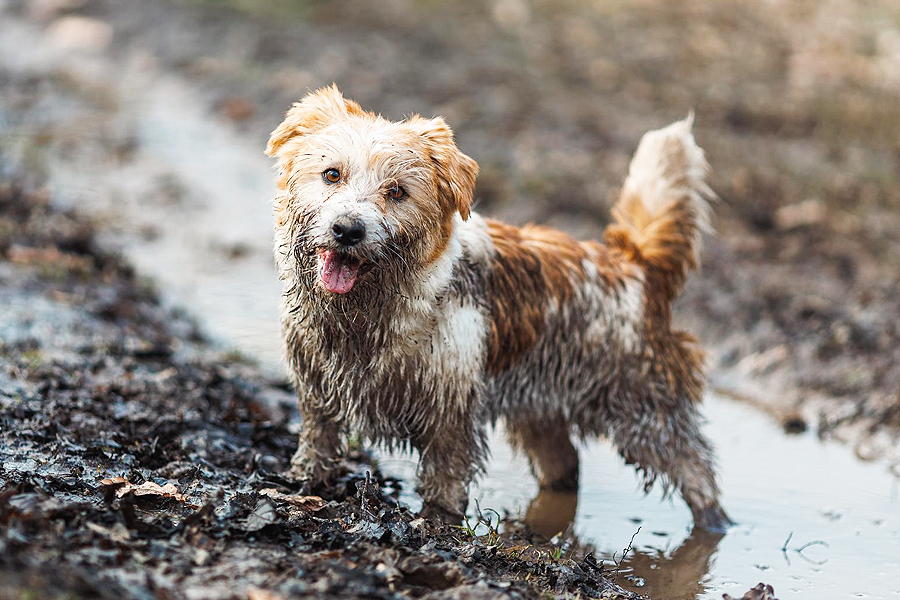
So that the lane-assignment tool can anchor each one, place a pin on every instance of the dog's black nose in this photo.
(347, 231)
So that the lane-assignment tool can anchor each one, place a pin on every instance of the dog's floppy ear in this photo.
(456, 172)
(316, 110)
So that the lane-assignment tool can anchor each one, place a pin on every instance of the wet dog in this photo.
(414, 322)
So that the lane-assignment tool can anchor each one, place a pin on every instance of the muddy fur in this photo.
(455, 322)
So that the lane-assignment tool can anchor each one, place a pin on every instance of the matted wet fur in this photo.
(415, 323)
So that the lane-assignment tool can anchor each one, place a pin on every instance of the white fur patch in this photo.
(454, 334)
(620, 315)
(474, 237)
(458, 342)
(667, 166)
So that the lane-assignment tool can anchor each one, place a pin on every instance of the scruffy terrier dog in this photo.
(415, 322)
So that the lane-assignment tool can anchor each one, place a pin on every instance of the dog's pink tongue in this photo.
(337, 275)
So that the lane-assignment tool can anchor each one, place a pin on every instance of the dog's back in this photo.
(570, 318)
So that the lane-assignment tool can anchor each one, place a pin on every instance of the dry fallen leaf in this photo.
(113, 481)
(148, 488)
(308, 503)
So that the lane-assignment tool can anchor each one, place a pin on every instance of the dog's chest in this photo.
(387, 376)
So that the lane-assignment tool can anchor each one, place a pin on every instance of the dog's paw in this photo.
(442, 514)
(310, 479)
(713, 519)
(300, 480)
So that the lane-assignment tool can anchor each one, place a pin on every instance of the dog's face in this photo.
(363, 198)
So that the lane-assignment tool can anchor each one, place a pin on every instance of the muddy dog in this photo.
(415, 322)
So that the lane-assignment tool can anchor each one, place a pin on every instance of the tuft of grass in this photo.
(484, 522)
(235, 356)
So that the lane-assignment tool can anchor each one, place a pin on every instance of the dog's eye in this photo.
(396, 193)
(331, 175)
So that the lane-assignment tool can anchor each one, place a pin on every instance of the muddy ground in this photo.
(137, 462)
(796, 301)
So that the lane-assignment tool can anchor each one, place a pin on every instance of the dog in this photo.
(414, 322)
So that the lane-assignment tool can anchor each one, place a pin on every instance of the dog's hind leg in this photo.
(553, 458)
(661, 437)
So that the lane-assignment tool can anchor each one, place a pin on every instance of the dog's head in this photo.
(362, 194)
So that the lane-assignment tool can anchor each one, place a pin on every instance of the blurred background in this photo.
(151, 116)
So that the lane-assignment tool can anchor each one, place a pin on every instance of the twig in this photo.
(799, 551)
(625, 552)
(786, 542)
(784, 548)
(807, 545)
(812, 543)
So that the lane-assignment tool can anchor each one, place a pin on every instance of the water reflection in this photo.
(658, 573)
(680, 574)
(552, 512)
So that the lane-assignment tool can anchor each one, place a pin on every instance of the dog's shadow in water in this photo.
(678, 573)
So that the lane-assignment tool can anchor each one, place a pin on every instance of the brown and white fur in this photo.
(452, 321)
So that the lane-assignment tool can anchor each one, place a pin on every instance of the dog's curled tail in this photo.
(664, 206)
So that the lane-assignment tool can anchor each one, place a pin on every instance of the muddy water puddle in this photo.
(812, 520)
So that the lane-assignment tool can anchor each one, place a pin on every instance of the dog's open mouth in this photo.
(338, 271)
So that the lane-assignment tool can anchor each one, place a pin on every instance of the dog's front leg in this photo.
(319, 451)
(449, 461)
